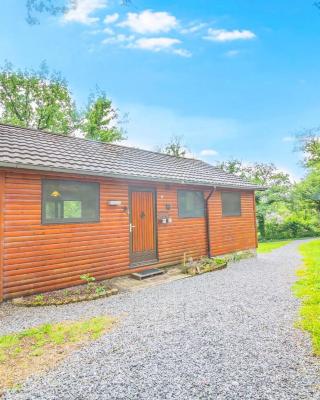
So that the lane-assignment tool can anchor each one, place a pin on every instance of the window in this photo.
(190, 204)
(231, 203)
(69, 201)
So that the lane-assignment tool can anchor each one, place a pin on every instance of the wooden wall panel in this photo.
(2, 213)
(230, 234)
(183, 235)
(40, 257)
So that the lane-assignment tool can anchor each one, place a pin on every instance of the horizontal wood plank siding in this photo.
(45, 257)
(183, 235)
(231, 234)
(37, 258)
(2, 214)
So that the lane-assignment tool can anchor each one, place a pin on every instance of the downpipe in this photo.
(208, 221)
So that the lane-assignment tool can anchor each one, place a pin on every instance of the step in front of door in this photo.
(148, 273)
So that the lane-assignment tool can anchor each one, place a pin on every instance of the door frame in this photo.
(134, 264)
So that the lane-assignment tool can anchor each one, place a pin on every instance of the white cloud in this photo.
(189, 154)
(108, 31)
(222, 35)
(80, 11)
(193, 28)
(232, 53)
(150, 22)
(157, 44)
(288, 139)
(182, 53)
(208, 152)
(121, 39)
(111, 18)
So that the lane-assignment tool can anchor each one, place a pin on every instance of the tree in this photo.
(309, 144)
(278, 190)
(308, 191)
(277, 185)
(175, 147)
(52, 7)
(234, 167)
(100, 119)
(43, 100)
(36, 99)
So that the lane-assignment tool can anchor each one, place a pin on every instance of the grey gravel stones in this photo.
(224, 335)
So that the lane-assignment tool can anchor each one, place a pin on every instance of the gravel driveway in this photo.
(223, 335)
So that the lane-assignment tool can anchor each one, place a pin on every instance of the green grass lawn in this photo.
(308, 288)
(266, 247)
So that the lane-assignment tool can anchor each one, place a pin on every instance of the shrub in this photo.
(205, 264)
(292, 227)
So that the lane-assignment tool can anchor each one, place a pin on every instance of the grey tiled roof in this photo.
(28, 148)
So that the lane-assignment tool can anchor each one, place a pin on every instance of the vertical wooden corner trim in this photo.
(2, 206)
(255, 217)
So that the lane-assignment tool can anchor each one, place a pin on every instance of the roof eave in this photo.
(124, 176)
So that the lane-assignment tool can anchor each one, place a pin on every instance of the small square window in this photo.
(69, 201)
(190, 204)
(231, 204)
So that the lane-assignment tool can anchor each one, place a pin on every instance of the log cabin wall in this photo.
(40, 257)
(36, 258)
(184, 236)
(232, 234)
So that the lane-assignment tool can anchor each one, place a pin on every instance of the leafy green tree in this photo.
(175, 147)
(309, 144)
(307, 192)
(36, 99)
(277, 185)
(234, 167)
(278, 190)
(43, 100)
(52, 7)
(100, 119)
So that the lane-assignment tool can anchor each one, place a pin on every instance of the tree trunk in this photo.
(261, 225)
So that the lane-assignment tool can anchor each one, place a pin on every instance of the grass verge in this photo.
(267, 247)
(35, 350)
(307, 288)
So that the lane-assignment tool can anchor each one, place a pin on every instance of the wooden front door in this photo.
(143, 241)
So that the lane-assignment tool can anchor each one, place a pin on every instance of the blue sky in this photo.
(236, 78)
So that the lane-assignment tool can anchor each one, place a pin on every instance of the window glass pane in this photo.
(50, 209)
(70, 201)
(190, 204)
(72, 209)
(231, 203)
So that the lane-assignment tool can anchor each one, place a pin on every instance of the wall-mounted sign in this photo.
(114, 202)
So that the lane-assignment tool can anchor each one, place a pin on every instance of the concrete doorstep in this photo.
(130, 284)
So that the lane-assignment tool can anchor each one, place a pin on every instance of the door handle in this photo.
(131, 227)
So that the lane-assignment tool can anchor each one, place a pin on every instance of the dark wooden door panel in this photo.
(143, 236)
